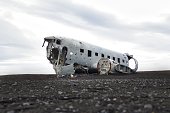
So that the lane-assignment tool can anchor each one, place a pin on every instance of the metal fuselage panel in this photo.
(75, 55)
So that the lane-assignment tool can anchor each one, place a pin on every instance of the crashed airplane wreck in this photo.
(69, 56)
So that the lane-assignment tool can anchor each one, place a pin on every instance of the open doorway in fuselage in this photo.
(63, 55)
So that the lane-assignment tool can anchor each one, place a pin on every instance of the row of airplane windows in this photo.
(102, 55)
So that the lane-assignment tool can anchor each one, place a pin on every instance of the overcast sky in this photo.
(137, 27)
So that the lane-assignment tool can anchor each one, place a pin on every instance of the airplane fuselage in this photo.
(64, 51)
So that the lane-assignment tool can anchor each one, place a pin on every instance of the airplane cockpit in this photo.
(56, 54)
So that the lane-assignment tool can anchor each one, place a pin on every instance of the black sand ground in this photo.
(143, 92)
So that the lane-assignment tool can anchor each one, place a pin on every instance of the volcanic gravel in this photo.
(143, 92)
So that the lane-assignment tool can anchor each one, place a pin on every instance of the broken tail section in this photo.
(108, 66)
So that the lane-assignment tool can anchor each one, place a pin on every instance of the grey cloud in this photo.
(162, 27)
(87, 14)
(59, 10)
(69, 13)
(12, 36)
(8, 53)
(154, 44)
(13, 43)
(98, 22)
(155, 36)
